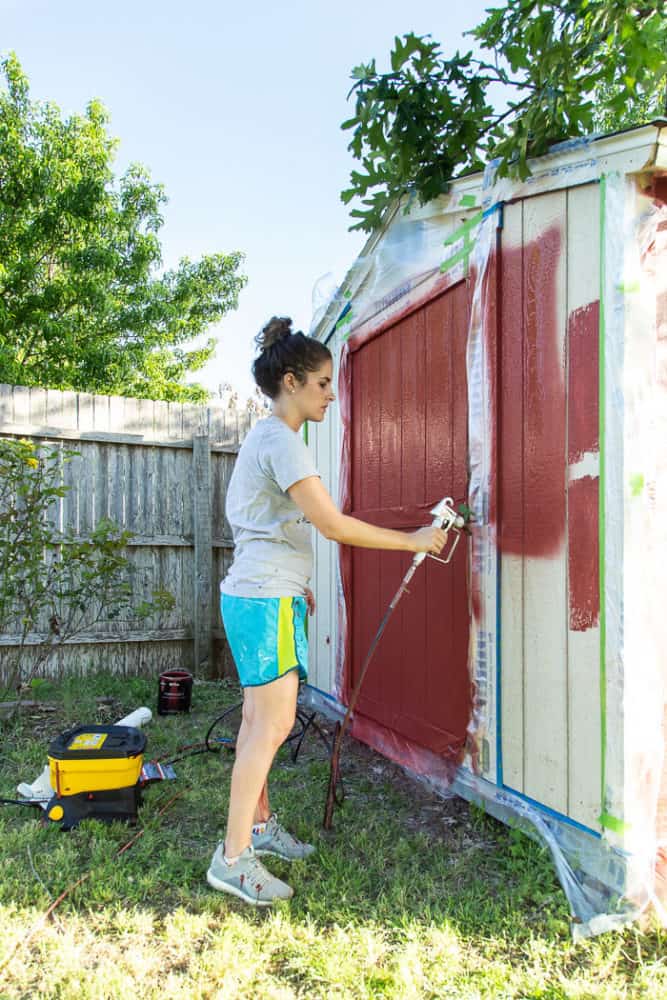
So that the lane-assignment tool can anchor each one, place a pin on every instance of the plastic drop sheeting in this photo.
(637, 543)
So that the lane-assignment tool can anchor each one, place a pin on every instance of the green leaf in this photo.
(432, 117)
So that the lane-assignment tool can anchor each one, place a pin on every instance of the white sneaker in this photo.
(247, 878)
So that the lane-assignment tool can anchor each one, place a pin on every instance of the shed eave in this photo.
(641, 149)
(470, 184)
(645, 144)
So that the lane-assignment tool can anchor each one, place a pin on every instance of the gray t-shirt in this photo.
(273, 554)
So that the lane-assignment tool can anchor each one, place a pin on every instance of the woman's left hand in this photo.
(310, 600)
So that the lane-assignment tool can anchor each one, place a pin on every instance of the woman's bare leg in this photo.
(268, 717)
(263, 807)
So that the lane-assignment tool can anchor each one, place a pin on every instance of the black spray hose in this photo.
(33, 803)
(334, 772)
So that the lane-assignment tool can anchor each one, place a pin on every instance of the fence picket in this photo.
(161, 470)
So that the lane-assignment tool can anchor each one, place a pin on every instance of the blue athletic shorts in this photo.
(267, 636)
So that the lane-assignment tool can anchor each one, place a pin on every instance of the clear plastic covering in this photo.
(483, 548)
(418, 244)
(639, 541)
(590, 871)
(611, 874)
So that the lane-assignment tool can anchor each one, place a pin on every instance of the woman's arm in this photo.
(311, 496)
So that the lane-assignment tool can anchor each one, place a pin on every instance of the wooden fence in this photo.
(159, 470)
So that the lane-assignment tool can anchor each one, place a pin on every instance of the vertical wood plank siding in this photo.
(548, 480)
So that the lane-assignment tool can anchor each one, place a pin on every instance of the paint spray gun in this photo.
(445, 517)
(450, 520)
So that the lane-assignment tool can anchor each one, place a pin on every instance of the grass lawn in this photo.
(410, 896)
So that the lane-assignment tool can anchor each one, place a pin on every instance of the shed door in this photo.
(409, 449)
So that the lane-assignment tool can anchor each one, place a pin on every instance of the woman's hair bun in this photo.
(283, 350)
(276, 329)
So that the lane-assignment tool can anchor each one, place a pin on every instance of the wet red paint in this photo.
(532, 397)
(583, 432)
(583, 553)
(476, 597)
(658, 188)
(583, 421)
(406, 407)
(404, 402)
(438, 765)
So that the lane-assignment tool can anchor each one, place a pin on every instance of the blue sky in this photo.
(236, 110)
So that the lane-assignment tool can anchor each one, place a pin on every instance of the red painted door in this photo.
(409, 449)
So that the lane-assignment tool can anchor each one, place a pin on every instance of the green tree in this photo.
(639, 110)
(84, 303)
(431, 118)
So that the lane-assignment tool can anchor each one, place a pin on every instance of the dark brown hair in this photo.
(282, 351)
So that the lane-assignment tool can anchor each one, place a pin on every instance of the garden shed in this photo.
(506, 345)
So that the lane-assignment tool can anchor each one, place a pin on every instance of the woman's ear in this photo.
(289, 382)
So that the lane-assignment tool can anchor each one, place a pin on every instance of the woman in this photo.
(274, 496)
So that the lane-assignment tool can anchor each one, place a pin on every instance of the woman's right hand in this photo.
(428, 539)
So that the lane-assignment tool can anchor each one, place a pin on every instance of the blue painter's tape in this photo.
(497, 207)
(499, 699)
(552, 812)
(336, 325)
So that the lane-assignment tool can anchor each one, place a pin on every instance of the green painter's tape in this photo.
(637, 484)
(602, 506)
(464, 228)
(467, 200)
(461, 254)
(613, 823)
(464, 233)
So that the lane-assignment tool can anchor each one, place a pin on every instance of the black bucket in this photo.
(174, 692)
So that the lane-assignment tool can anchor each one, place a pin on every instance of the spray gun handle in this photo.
(445, 517)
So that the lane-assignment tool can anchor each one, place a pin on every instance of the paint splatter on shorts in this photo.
(267, 636)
